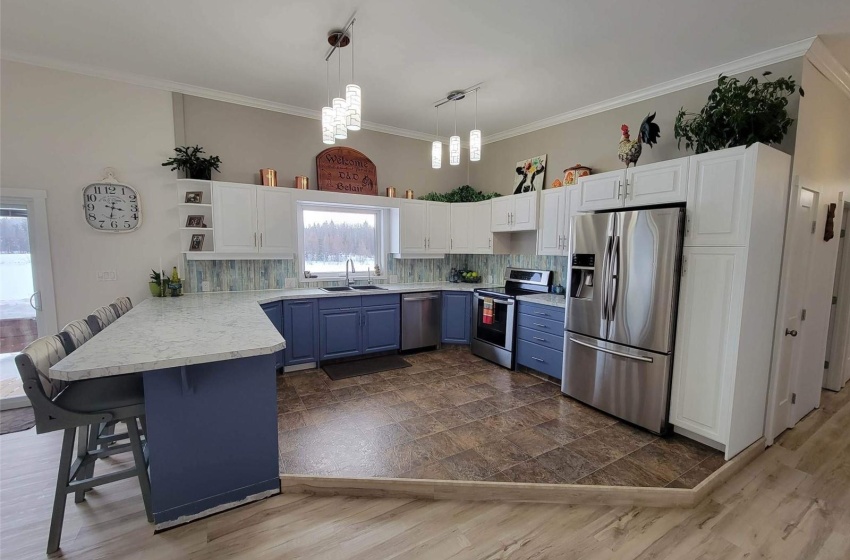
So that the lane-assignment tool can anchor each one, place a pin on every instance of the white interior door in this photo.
(27, 301)
(839, 319)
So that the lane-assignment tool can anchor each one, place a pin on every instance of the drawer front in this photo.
(540, 358)
(542, 311)
(541, 324)
(541, 338)
(340, 302)
(380, 299)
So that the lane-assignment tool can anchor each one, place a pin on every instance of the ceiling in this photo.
(536, 59)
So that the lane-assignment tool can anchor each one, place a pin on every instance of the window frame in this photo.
(380, 241)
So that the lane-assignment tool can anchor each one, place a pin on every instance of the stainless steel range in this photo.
(494, 310)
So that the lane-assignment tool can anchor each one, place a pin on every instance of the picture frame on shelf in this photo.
(197, 242)
(194, 197)
(195, 221)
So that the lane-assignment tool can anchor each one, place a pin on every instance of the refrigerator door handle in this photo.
(606, 264)
(613, 352)
(615, 275)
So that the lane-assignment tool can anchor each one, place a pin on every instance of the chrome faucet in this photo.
(347, 279)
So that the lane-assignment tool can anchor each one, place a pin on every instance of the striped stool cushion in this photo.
(79, 332)
(105, 316)
(44, 353)
(123, 304)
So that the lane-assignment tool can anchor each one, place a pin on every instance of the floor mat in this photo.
(364, 367)
(16, 420)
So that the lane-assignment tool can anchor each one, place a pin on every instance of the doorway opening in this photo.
(836, 365)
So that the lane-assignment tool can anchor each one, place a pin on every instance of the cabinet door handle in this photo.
(538, 338)
(627, 189)
(255, 239)
(536, 358)
(261, 240)
(539, 325)
(541, 313)
(619, 190)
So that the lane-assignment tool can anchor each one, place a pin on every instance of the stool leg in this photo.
(61, 495)
(141, 465)
(83, 445)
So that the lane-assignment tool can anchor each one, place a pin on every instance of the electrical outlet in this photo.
(107, 276)
(290, 282)
(205, 286)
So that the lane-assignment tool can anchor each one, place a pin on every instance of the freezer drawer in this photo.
(539, 358)
(627, 383)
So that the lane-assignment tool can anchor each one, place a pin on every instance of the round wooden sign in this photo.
(346, 170)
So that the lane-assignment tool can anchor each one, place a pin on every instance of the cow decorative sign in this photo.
(346, 170)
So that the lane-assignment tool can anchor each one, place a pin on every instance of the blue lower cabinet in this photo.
(275, 315)
(301, 331)
(540, 358)
(457, 317)
(339, 333)
(381, 328)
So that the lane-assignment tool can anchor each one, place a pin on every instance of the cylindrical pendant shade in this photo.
(353, 100)
(474, 145)
(436, 154)
(454, 150)
(328, 125)
(340, 118)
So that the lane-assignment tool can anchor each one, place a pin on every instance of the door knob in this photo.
(789, 331)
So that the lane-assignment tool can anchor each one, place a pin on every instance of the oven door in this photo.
(496, 328)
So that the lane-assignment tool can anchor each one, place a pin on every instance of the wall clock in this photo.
(113, 207)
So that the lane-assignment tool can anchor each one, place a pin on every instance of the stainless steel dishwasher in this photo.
(420, 320)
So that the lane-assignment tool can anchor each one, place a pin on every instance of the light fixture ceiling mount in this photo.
(342, 114)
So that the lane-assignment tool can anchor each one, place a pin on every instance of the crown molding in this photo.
(745, 64)
(187, 89)
(822, 59)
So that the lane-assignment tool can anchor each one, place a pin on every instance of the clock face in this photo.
(112, 207)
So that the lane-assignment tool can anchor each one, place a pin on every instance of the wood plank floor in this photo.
(792, 502)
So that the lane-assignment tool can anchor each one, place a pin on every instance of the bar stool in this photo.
(122, 305)
(68, 406)
(75, 334)
(101, 318)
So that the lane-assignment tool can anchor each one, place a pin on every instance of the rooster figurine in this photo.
(629, 150)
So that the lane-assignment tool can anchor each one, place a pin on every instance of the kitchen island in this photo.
(208, 365)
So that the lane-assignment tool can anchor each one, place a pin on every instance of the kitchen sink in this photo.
(337, 289)
(368, 287)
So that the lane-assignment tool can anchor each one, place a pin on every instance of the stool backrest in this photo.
(78, 332)
(105, 316)
(34, 363)
(123, 305)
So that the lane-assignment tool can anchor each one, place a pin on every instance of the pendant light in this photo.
(340, 107)
(475, 136)
(454, 144)
(353, 97)
(437, 146)
(328, 112)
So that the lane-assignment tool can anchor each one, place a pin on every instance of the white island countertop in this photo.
(200, 328)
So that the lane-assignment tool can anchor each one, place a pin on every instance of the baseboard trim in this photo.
(574, 494)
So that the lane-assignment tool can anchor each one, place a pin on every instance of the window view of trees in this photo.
(14, 236)
(331, 238)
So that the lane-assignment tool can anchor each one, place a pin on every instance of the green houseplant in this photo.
(190, 161)
(155, 285)
(463, 193)
(738, 114)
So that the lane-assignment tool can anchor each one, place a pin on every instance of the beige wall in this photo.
(249, 139)
(821, 163)
(593, 140)
(60, 130)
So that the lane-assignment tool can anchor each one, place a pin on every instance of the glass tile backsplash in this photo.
(243, 275)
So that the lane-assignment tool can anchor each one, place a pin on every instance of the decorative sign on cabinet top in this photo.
(346, 170)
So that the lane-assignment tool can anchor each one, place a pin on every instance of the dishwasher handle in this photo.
(420, 298)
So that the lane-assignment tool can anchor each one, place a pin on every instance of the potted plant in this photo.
(738, 114)
(155, 284)
(190, 161)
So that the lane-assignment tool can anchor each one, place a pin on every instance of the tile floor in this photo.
(453, 416)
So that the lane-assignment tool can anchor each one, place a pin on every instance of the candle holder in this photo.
(269, 177)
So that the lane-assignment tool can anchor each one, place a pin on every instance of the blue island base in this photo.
(212, 437)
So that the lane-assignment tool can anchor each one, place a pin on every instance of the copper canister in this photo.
(269, 177)
(302, 182)
(408, 193)
(390, 192)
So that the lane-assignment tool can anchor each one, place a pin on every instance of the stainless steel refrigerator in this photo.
(620, 328)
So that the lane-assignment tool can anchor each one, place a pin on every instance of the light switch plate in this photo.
(107, 276)
(290, 282)
(205, 286)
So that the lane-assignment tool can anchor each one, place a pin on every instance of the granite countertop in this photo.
(552, 300)
(200, 328)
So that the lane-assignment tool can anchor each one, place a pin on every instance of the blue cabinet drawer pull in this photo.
(539, 325)
(538, 359)
(538, 338)
(541, 313)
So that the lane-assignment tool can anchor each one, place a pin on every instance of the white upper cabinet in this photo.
(601, 192)
(719, 207)
(502, 208)
(275, 219)
(235, 217)
(461, 218)
(516, 212)
(480, 236)
(550, 235)
(413, 226)
(439, 227)
(252, 219)
(657, 183)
